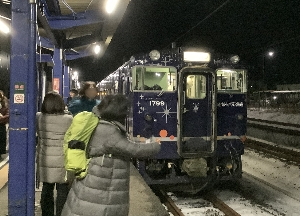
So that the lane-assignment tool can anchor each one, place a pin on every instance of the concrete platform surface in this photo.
(143, 202)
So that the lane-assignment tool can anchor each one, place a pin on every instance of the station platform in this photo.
(142, 200)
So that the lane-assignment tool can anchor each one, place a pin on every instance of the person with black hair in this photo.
(87, 99)
(51, 125)
(73, 94)
(105, 189)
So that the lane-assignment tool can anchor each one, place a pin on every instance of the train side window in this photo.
(233, 80)
(196, 86)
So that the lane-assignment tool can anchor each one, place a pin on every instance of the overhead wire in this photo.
(88, 6)
(69, 7)
(201, 21)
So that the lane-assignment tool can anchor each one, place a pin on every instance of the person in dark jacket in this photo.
(4, 117)
(87, 99)
(105, 189)
(72, 95)
(52, 125)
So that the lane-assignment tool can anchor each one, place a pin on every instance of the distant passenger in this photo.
(87, 99)
(52, 125)
(72, 95)
(4, 117)
(105, 189)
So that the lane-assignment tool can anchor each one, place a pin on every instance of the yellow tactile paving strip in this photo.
(3, 175)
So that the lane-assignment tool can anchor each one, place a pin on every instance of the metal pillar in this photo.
(66, 82)
(23, 93)
(57, 81)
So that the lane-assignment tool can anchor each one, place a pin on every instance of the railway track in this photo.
(217, 203)
(274, 150)
(274, 122)
(168, 202)
(279, 189)
(221, 205)
(280, 127)
(273, 135)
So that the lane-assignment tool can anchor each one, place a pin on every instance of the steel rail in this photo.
(221, 205)
(168, 202)
(277, 151)
(285, 192)
(274, 122)
(279, 128)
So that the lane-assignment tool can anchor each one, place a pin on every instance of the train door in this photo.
(196, 112)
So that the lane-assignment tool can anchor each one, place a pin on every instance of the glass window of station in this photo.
(196, 86)
(154, 78)
(233, 80)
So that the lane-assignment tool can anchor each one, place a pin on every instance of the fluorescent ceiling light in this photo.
(111, 5)
(6, 1)
(5, 17)
(4, 27)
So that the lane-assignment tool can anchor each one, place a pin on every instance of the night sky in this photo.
(249, 28)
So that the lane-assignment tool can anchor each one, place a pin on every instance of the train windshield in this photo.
(231, 80)
(154, 78)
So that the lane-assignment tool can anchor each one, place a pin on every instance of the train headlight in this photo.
(189, 56)
(148, 117)
(235, 59)
(154, 55)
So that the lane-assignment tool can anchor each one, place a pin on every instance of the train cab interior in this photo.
(154, 78)
(196, 86)
(232, 80)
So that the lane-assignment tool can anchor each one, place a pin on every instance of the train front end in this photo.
(178, 107)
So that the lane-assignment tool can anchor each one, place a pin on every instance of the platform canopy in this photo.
(78, 26)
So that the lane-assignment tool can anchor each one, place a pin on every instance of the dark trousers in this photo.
(47, 198)
(2, 139)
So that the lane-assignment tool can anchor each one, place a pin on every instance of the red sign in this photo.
(55, 85)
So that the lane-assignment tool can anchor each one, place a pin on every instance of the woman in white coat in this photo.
(52, 124)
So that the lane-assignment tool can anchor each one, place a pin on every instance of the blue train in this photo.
(194, 102)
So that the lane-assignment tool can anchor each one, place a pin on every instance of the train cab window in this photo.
(153, 78)
(196, 86)
(233, 81)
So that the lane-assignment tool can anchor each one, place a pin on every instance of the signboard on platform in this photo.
(56, 85)
(19, 93)
(19, 98)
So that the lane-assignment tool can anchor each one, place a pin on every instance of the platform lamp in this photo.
(97, 49)
(270, 54)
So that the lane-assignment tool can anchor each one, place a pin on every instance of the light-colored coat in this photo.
(105, 189)
(51, 129)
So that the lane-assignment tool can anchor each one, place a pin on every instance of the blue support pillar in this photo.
(32, 108)
(23, 94)
(66, 83)
(57, 81)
